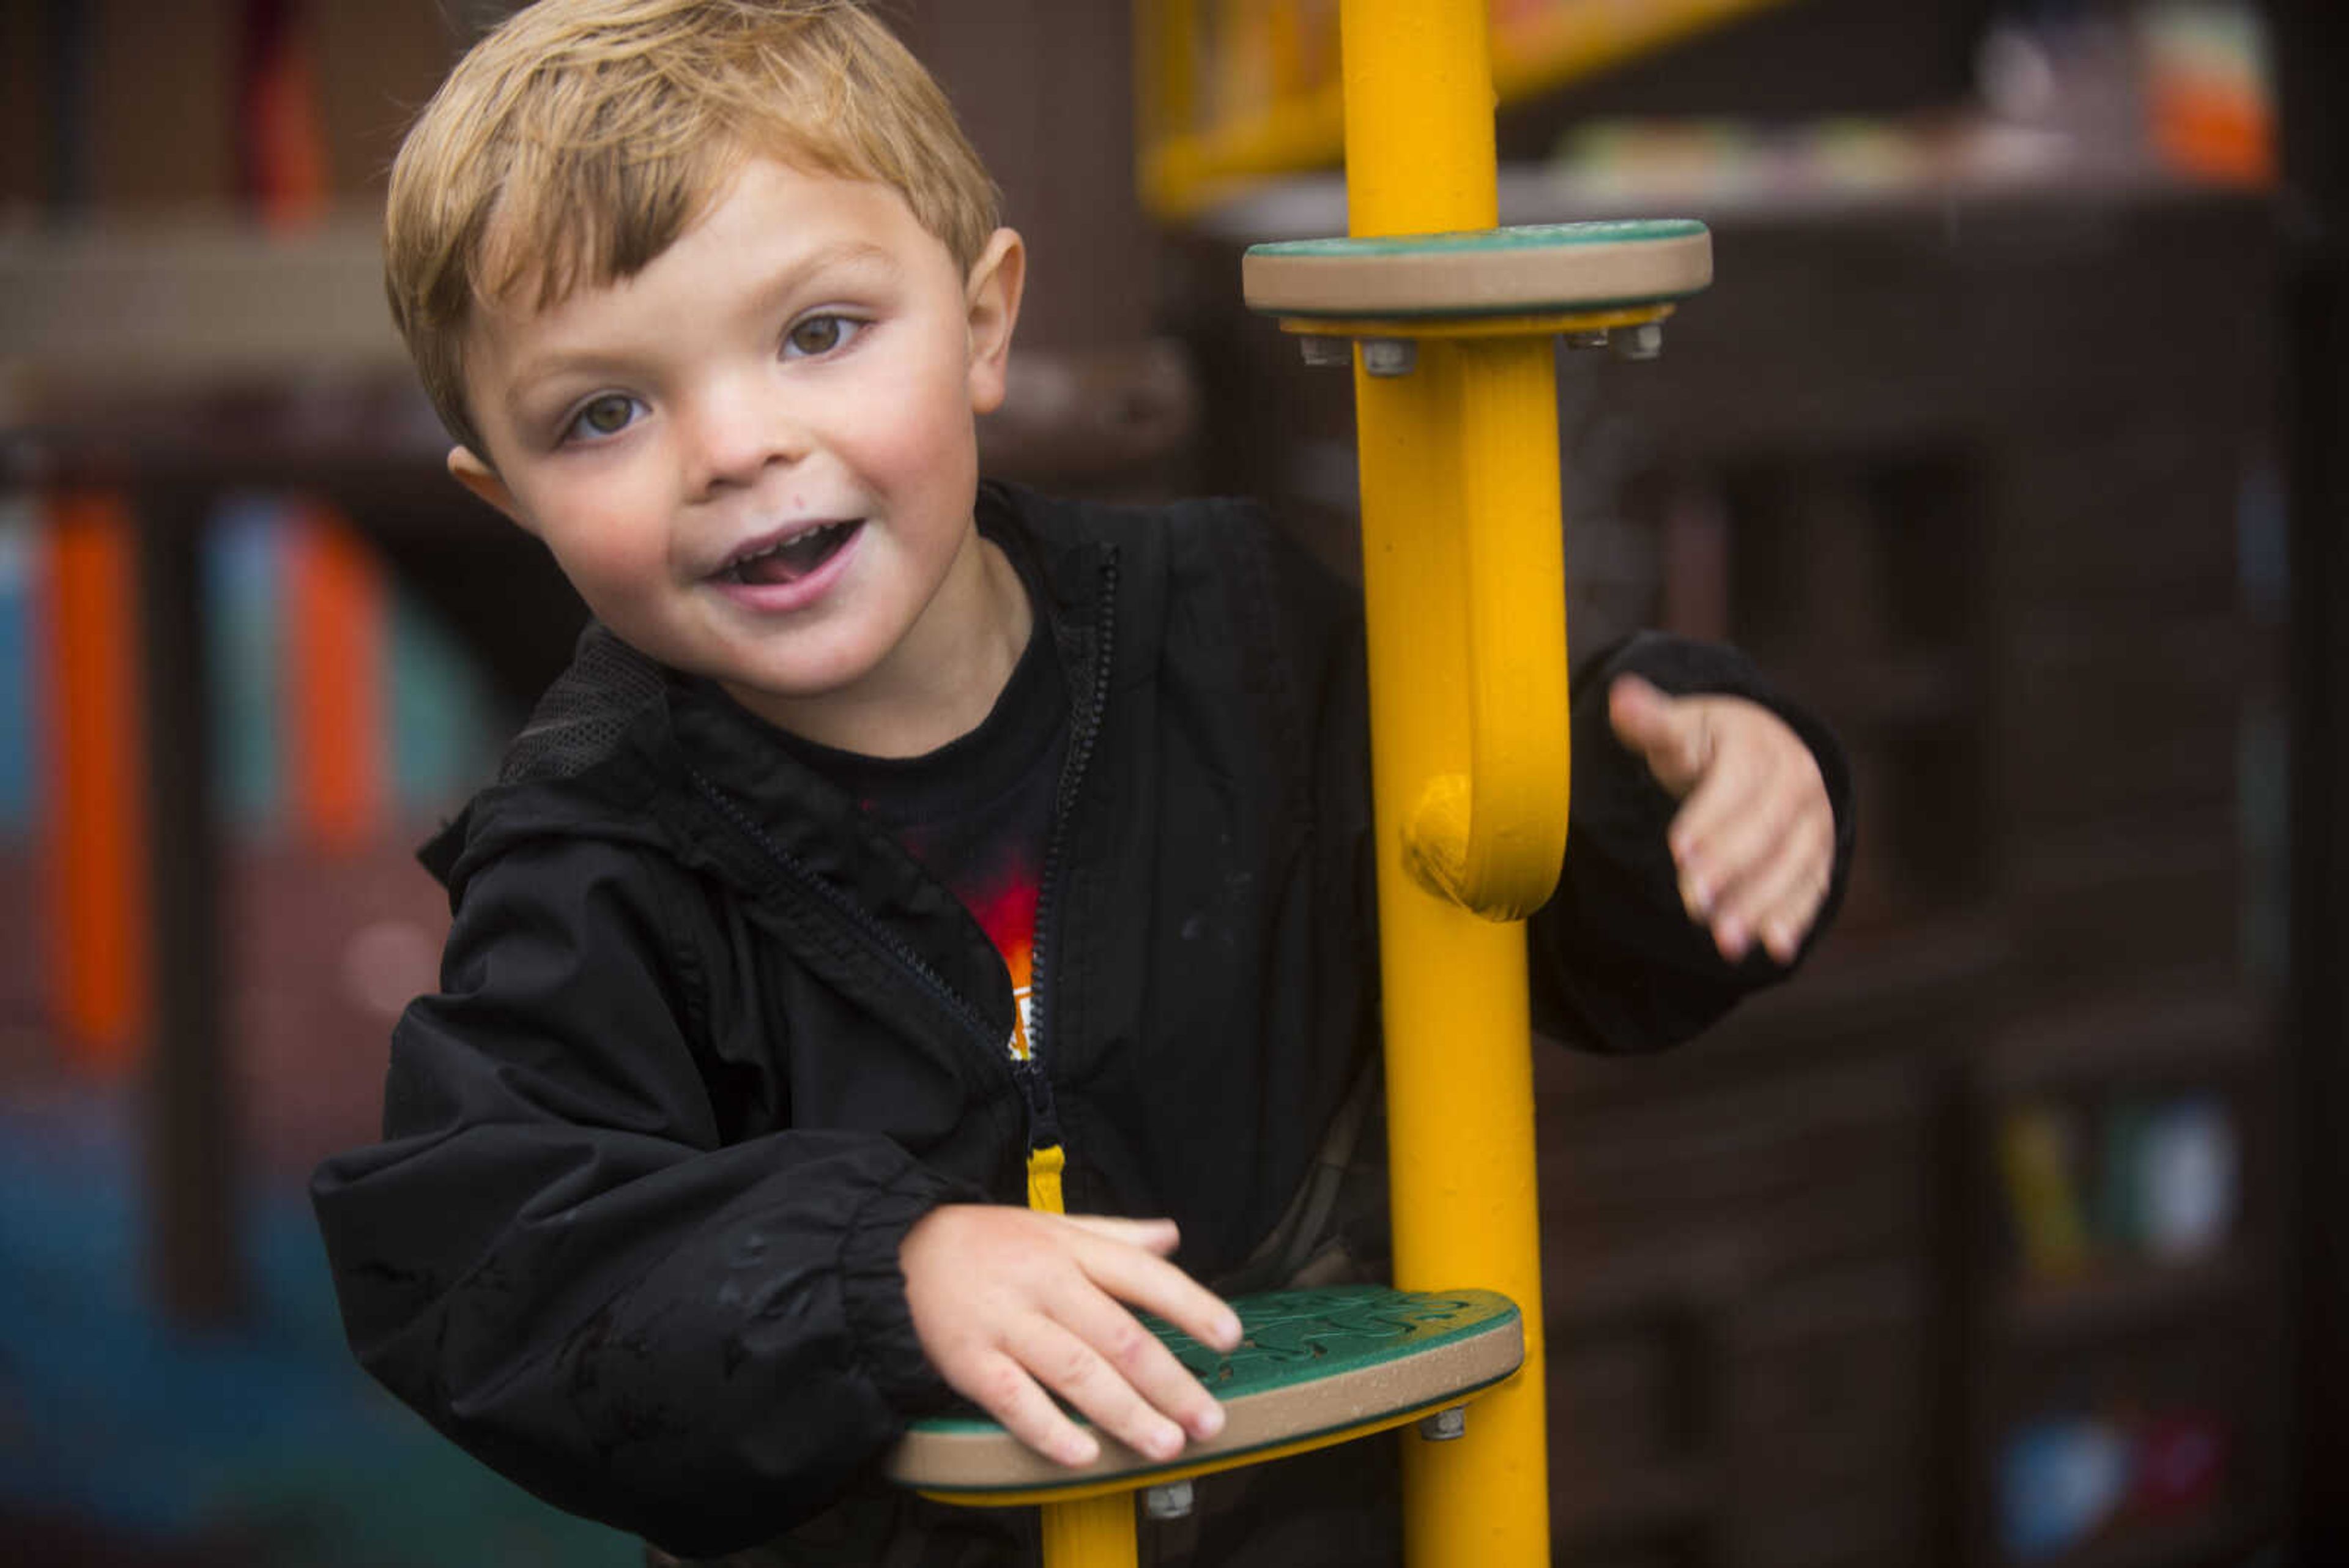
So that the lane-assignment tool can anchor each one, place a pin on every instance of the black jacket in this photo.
(707, 1043)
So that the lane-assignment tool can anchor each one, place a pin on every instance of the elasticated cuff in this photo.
(872, 1286)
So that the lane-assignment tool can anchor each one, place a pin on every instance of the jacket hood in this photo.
(583, 767)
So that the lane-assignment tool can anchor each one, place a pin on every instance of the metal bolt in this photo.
(1322, 352)
(1644, 341)
(1389, 356)
(1445, 1425)
(1594, 339)
(1172, 1500)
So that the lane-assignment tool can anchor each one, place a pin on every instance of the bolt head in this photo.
(1326, 351)
(1172, 1500)
(1596, 339)
(1389, 356)
(1445, 1425)
(1644, 341)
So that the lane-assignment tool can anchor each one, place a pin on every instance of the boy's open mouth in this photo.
(793, 558)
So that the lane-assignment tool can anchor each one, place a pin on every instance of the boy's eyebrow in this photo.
(864, 255)
(839, 253)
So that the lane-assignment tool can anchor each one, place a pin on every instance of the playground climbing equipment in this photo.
(1450, 326)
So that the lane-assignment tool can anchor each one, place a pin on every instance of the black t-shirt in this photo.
(978, 812)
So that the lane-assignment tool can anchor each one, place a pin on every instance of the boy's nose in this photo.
(736, 433)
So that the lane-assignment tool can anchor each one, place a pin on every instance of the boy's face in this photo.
(755, 458)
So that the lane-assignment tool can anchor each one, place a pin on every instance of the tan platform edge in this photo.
(1535, 268)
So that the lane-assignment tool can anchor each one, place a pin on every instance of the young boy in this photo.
(889, 826)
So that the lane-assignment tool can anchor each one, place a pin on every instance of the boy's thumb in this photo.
(1640, 715)
(1655, 726)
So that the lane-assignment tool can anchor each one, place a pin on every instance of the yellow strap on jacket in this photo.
(1044, 1167)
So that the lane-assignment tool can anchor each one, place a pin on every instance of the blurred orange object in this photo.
(335, 601)
(281, 144)
(94, 845)
(2212, 132)
(2207, 90)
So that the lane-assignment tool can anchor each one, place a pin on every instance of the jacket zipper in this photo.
(1028, 1074)
(1035, 1081)
(878, 936)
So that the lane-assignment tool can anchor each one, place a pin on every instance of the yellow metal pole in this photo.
(1418, 116)
(1460, 505)
(1089, 1531)
(1093, 1532)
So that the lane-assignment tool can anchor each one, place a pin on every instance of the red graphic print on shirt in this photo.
(991, 867)
(1007, 913)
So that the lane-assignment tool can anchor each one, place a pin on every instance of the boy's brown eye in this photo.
(606, 415)
(819, 334)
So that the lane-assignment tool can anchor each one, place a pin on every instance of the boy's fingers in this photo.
(1784, 932)
(1156, 1285)
(1052, 1325)
(1756, 762)
(1774, 903)
(1764, 789)
(1749, 869)
(1002, 1387)
(1142, 1360)
(1158, 1236)
(1734, 822)
(1785, 929)
(1707, 864)
(1718, 801)
(1079, 1373)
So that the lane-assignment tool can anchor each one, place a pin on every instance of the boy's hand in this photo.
(1008, 1302)
(1755, 837)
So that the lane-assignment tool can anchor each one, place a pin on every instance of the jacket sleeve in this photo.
(1617, 964)
(557, 1260)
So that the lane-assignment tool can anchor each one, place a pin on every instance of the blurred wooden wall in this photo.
(134, 102)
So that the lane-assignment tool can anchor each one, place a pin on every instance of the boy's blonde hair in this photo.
(578, 141)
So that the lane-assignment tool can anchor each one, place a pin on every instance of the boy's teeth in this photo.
(793, 558)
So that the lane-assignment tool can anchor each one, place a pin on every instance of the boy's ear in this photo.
(993, 299)
(468, 469)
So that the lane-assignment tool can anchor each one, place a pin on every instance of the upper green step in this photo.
(1536, 269)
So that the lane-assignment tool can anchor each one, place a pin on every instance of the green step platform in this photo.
(1313, 1368)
